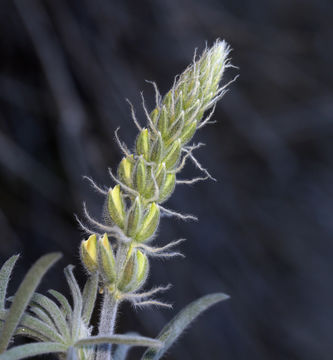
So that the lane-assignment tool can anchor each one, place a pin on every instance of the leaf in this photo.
(23, 296)
(89, 297)
(31, 325)
(32, 334)
(38, 326)
(77, 301)
(52, 309)
(41, 314)
(120, 339)
(28, 350)
(122, 350)
(65, 306)
(180, 322)
(5, 273)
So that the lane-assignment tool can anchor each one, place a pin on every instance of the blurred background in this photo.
(265, 230)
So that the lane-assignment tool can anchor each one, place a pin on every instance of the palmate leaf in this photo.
(34, 328)
(23, 297)
(28, 350)
(52, 309)
(65, 306)
(180, 322)
(133, 340)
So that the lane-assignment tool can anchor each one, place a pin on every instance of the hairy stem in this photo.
(107, 324)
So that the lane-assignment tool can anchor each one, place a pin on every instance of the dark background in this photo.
(265, 229)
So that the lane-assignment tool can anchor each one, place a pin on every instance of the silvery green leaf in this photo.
(41, 314)
(51, 308)
(28, 332)
(31, 325)
(89, 297)
(180, 322)
(31, 334)
(23, 296)
(5, 273)
(28, 350)
(65, 306)
(38, 326)
(77, 301)
(122, 350)
(120, 339)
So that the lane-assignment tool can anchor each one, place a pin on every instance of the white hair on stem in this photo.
(149, 293)
(151, 124)
(191, 181)
(122, 145)
(151, 302)
(134, 116)
(178, 215)
(95, 186)
(158, 96)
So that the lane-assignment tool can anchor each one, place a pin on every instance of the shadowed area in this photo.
(265, 229)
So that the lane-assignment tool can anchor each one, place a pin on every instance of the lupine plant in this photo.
(117, 252)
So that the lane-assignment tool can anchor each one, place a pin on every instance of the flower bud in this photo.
(179, 104)
(88, 252)
(162, 124)
(107, 262)
(173, 154)
(157, 149)
(135, 272)
(160, 176)
(167, 188)
(154, 116)
(142, 144)
(149, 223)
(140, 175)
(125, 170)
(176, 128)
(188, 132)
(116, 206)
(134, 217)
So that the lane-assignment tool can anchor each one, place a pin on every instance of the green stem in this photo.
(107, 323)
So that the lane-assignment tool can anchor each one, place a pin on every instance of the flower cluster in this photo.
(147, 177)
